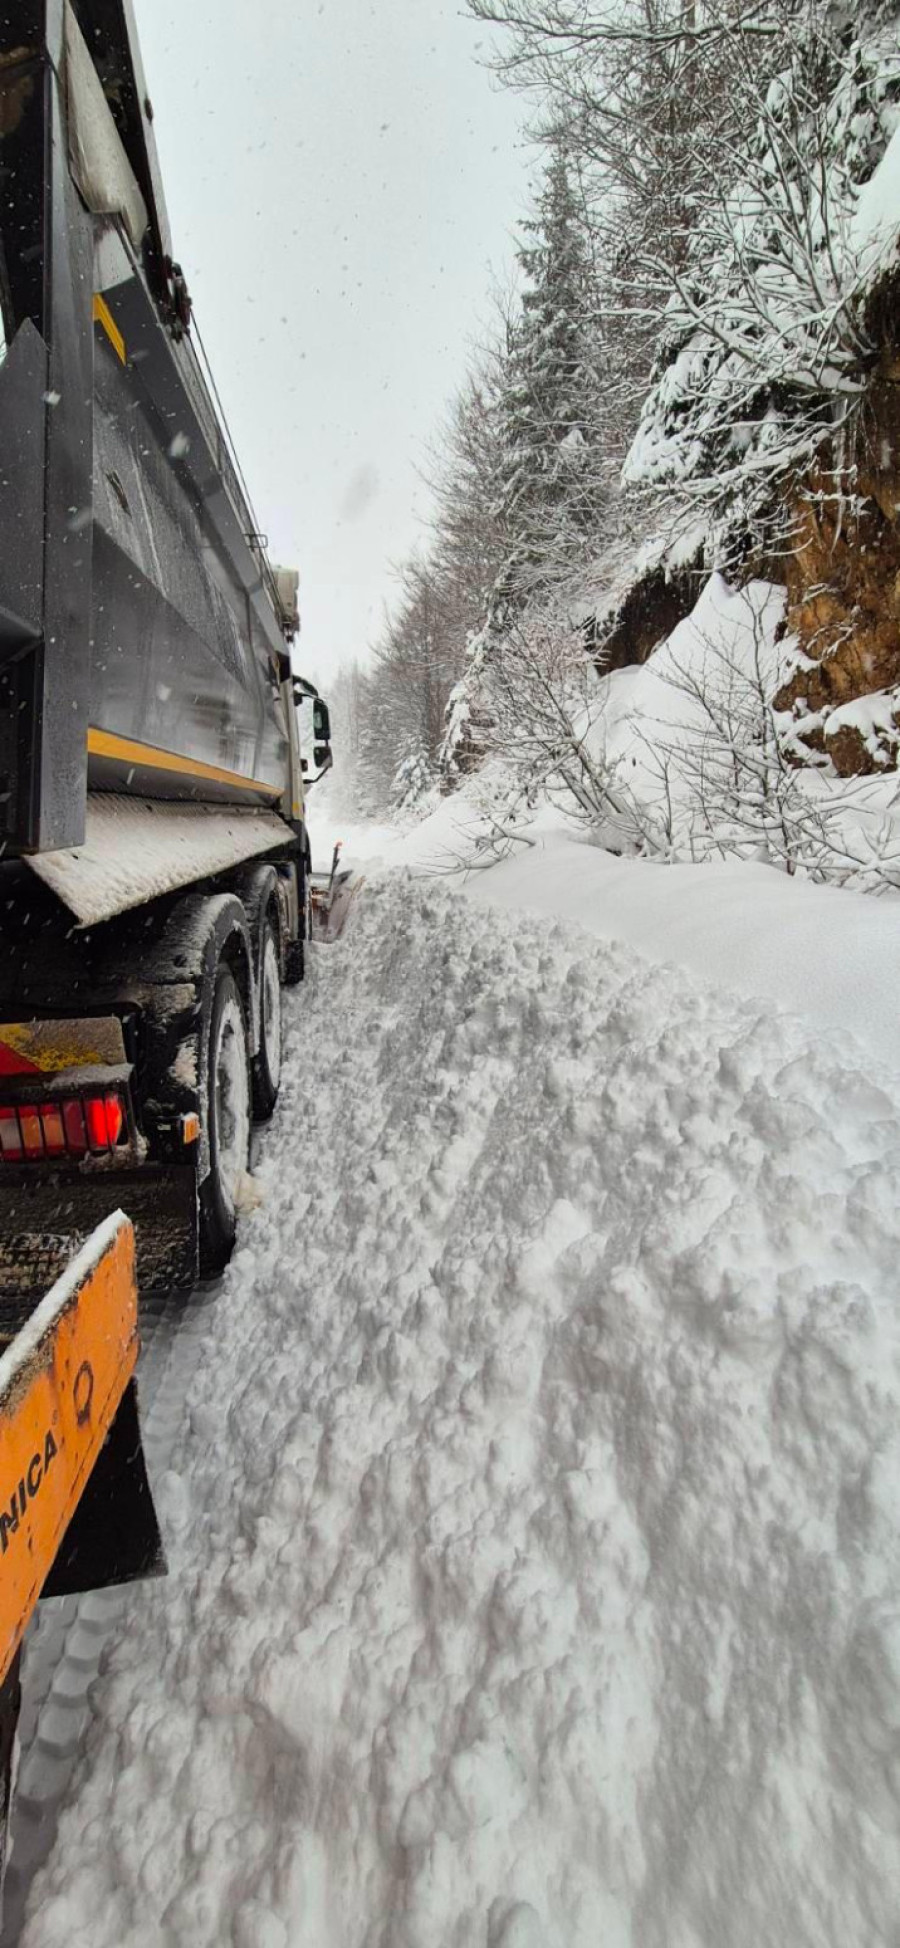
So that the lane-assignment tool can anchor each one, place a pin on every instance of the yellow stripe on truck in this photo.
(125, 750)
(104, 318)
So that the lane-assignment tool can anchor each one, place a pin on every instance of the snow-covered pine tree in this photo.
(646, 94)
(551, 488)
(443, 593)
(554, 472)
(469, 534)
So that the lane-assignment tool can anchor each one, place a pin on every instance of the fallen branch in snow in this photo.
(497, 840)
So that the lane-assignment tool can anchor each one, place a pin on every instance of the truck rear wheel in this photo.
(228, 1116)
(267, 1063)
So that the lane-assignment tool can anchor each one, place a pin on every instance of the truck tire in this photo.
(228, 1116)
(267, 1062)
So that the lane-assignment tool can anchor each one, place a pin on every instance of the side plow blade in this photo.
(331, 897)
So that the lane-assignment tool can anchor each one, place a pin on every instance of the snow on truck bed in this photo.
(534, 1539)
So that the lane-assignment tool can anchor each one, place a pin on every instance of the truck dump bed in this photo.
(154, 861)
(142, 631)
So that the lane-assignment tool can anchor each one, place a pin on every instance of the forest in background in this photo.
(695, 378)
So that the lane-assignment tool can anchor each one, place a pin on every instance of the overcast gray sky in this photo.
(344, 182)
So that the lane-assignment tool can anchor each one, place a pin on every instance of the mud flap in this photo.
(113, 1536)
(44, 1221)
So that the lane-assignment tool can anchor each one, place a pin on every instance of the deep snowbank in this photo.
(829, 955)
(686, 739)
(822, 952)
(536, 1573)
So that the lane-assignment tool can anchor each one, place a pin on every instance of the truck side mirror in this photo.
(321, 722)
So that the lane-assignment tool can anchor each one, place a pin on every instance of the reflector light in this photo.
(30, 1126)
(54, 1134)
(10, 1140)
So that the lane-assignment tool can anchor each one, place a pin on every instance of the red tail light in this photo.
(105, 1118)
(95, 1117)
(70, 1127)
(115, 1119)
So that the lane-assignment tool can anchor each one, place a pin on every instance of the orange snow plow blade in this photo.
(75, 1506)
(331, 897)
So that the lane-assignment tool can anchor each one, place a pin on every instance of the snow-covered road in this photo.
(535, 1563)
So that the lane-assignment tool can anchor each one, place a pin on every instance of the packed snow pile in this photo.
(535, 1568)
(821, 952)
(829, 956)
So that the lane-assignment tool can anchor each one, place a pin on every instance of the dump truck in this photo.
(154, 859)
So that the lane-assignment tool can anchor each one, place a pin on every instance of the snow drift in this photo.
(535, 1559)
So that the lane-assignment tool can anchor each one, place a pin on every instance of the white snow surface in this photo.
(137, 848)
(535, 1562)
(876, 716)
(729, 635)
(875, 222)
(818, 951)
(821, 952)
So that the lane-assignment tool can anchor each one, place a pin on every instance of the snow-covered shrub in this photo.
(707, 764)
(414, 778)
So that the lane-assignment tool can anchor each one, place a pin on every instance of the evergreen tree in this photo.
(442, 598)
(555, 467)
(551, 486)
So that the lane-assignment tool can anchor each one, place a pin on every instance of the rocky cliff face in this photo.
(843, 583)
(641, 619)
